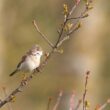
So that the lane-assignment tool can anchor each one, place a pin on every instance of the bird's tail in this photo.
(13, 72)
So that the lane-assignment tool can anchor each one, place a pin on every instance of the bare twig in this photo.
(84, 16)
(72, 103)
(73, 9)
(61, 33)
(78, 105)
(49, 102)
(58, 100)
(43, 36)
(64, 39)
(5, 94)
(103, 106)
(85, 90)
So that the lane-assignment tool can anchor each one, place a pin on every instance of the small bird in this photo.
(30, 61)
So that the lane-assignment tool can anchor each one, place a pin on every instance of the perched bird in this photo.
(30, 61)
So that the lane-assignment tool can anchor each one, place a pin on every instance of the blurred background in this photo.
(87, 50)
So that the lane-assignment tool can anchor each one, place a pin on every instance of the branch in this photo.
(43, 36)
(49, 102)
(9, 107)
(75, 26)
(72, 102)
(84, 16)
(103, 106)
(66, 16)
(85, 90)
(58, 100)
(78, 104)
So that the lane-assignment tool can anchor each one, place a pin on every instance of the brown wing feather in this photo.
(22, 60)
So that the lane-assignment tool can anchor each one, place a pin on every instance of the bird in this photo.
(30, 61)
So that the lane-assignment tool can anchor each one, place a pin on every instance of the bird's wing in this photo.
(22, 60)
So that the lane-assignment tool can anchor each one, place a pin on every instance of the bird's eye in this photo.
(37, 53)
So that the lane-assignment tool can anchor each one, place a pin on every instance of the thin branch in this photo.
(43, 36)
(85, 90)
(78, 105)
(63, 40)
(64, 24)
(72, 103)
(103, 106)
(75, 29)
(58, 100)
(5, 94)
(61, 32)
(84, 16)
(77, 21)
(49, 102)
(67, 36)
(73, 9)
(19, 89)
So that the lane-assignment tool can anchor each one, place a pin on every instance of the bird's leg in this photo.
(24, 82)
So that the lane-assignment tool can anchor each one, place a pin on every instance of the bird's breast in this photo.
(30, 64)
